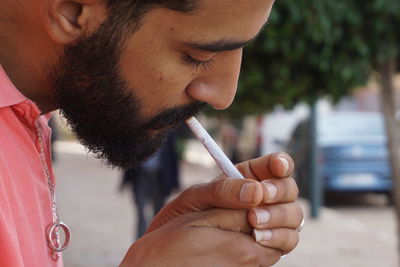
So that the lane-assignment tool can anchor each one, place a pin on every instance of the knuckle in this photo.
(293, 241)
(290, 190)
(274, 258)
(192, 190)
(249, 255)
(287, 240)
(287, 189)
(285, 237)
(283, 214)
(294, 186)
(188, 196)
(219, 189)
(298, 212)
(291, 215)
(296, 239)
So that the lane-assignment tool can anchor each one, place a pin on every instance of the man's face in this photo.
(121, 96)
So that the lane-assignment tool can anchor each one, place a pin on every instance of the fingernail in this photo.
(247, 192)
(262, 215)
(262, 235)
(271, 188)
(285, 164)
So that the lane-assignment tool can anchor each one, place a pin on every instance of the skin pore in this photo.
(121, 92)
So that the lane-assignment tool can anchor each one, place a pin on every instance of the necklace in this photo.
(54, 229)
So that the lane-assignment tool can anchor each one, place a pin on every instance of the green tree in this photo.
(379, 31)
(314, 48)
(303, 54)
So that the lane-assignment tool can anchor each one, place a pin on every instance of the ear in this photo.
(68, 20)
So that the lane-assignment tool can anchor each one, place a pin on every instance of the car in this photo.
(352, 153)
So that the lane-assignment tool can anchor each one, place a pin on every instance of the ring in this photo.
(53, 236)
(300, 226)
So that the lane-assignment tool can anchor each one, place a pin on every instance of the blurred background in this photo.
(321, 83)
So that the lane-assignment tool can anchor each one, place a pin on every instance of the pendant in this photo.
(53, 238)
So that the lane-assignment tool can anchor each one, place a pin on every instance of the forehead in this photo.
(230, 19)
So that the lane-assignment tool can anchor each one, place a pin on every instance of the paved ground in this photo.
(102, 220)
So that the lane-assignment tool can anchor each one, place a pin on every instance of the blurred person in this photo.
(53, 138)
(123, 73)
(229, 139)
(152, 181)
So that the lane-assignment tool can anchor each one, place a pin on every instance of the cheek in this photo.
(159, 82)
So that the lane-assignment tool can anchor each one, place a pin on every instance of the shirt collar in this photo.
(9, 94)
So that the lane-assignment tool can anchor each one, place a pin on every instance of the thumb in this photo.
(222, 193)
(225, 219)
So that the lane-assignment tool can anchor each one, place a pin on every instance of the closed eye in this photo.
(196, 64)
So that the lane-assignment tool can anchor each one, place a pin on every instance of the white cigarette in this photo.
(215, 151)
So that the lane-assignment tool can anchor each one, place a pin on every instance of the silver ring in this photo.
(52, 237)
(300, 226)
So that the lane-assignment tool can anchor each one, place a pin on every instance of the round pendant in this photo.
(54, 234)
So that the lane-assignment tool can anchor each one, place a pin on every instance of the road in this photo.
(350, 234)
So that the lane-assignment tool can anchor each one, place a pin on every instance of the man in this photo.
(123, 72)
(152, 182)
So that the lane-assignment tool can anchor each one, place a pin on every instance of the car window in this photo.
(299, 137)
(351, 125)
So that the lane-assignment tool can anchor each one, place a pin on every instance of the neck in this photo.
(29, 87)
(24, 63)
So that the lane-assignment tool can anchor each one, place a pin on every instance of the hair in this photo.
(96, 101)
(179, 5)
(127, 15)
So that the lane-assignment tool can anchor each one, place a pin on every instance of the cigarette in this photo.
(215, 151)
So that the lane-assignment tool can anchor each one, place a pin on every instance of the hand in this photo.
(275, 194)
(276, 219)
(277, 187)
(216, 237)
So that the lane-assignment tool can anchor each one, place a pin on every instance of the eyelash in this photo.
(196, 64)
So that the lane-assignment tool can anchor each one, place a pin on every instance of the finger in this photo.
(276, 165)
(282, 239)
(240, 250)
(254, 254)
(221, 193)
(288, 215)
(280, 190)
(224, 219)
(268, 256)
(243, 246)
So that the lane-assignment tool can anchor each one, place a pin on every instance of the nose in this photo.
(218, 86)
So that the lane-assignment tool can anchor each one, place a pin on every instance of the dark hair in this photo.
(128, 13)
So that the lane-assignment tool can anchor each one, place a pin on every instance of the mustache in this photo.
(173, 117)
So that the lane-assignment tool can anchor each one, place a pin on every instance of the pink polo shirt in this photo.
(25, 207)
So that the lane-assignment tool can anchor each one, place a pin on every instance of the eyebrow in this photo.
(221, 45)
(225, 45)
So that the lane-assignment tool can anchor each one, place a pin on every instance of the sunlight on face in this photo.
(120, 103)
(177, 58)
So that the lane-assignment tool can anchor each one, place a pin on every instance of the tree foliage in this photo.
(314, 48)
(308, 49)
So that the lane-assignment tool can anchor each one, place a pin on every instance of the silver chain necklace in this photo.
(53, 230)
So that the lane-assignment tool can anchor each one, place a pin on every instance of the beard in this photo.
(102, 112)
